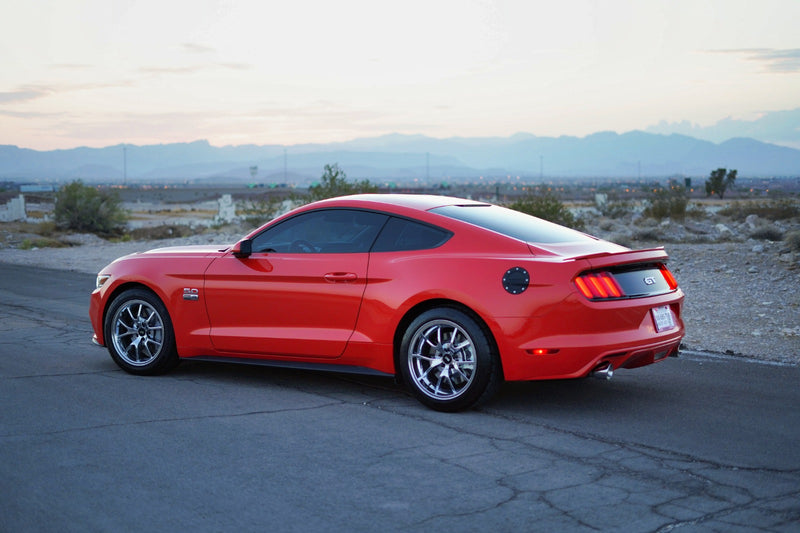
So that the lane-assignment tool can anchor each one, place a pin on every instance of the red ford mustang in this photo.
(452, 296)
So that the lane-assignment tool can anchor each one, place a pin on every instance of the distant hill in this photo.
(401, 158)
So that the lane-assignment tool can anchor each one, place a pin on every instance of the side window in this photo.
(401, 234)
(322, 231)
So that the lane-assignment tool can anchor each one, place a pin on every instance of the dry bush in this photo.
(792, 239)
(767, 233)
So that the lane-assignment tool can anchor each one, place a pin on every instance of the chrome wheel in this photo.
(137, 332)
(442, 359)
(448, 359)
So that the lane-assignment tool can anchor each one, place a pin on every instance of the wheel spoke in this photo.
(459, 347)
(424, 375)
(432, 360)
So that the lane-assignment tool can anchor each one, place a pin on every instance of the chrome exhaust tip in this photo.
(604, 370)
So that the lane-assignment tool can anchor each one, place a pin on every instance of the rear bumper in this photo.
(572, 344)
(579, 361)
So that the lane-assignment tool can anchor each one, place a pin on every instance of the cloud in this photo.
(235, 66)
(194, 48)
(778, 127)
(191, 69)
(27, 114)
(158, 71)
(774, 60)
(23, 94)
(71, 66)
(27, 93)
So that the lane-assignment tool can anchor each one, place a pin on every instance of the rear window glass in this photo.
(512, 223)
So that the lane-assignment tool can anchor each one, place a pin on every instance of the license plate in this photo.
(663, 318)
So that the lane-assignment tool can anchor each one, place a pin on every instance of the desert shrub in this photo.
(606, 224)
(696, 212)
(166, 231)
(546, 205)
(667, 202)
(792, 239)
(647, 234)
(613, 207)
(767, 233)
(46, 229)
(622, 239)
(44, 242)
(334, 183)
(83, 208)
(776, 209)
(257, 211)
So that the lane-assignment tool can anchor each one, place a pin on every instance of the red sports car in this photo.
(452, 296)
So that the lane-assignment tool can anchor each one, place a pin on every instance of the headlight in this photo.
(101, 279)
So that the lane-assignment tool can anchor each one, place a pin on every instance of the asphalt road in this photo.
(691, 444)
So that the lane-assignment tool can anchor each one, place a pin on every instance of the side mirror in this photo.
(243, 249)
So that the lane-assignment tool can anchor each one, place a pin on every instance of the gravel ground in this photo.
(742, 298)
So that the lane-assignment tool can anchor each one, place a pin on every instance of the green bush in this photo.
(546, 205)
(83, 208)
(44, 242)
(334, 183)
(719, 181)
(669, 202)
(257, 211)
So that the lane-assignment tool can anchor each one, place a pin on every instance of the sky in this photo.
(104, 72)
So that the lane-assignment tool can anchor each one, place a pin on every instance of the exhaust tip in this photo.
(604, 370)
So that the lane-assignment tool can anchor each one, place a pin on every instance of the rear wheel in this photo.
(448, 360)
(139, 333)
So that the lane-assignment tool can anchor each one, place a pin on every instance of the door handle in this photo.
(339, 277)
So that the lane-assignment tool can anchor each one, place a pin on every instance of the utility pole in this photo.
(285, 166)
(124, 165)
(427, 167)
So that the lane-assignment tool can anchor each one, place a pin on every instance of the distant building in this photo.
(36, 188)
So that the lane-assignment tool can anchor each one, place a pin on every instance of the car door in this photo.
(299, 293)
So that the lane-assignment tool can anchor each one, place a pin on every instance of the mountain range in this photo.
(404, 158)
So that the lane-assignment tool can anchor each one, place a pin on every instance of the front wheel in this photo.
(139, 333)
(448, 360)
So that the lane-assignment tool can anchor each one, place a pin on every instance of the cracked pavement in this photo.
(690, 444)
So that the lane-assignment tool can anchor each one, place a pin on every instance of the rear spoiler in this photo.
(598, 253)
(648, 255)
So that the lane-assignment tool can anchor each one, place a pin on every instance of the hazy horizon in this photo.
(99, 73)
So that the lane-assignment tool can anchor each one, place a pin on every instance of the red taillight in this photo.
(670, 279)
(599, 285)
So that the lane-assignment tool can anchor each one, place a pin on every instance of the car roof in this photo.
(421, 202)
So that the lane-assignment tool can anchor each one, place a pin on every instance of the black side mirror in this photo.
(244, 249)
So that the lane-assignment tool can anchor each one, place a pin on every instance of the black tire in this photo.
(139, 333)
(448, 360)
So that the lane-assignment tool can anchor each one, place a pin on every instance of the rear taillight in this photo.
(669, 278)
(638, 281)
(599, 286)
